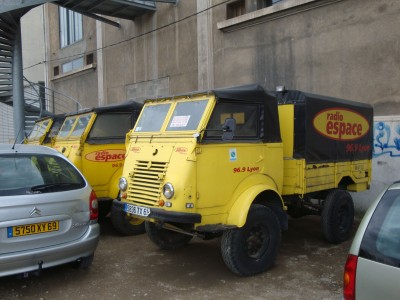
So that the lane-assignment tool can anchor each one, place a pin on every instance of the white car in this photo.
(48, 211)
(372, 270)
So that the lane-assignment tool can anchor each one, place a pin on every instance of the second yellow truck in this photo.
(93, 139)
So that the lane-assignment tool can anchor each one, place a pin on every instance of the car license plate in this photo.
(136, 210)
(29, 229)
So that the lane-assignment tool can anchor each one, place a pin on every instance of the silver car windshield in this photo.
(36, 173)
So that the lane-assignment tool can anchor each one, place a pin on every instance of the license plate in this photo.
(136, 210)
(29, 229)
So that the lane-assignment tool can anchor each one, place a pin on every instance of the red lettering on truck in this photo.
(341, 124)
(109, 155)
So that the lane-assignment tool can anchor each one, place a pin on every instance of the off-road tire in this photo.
(124, 224)
(252, 249)
(166, 239)
(337, 216)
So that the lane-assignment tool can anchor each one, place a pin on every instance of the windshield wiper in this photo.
(41, 188)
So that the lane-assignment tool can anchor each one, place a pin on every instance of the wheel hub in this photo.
(257, 242)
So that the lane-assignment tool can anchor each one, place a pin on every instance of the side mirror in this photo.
(228, 129)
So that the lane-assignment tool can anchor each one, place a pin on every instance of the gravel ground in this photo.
(307, 267)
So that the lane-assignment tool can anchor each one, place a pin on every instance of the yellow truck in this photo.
(45, 130)
(94, 141)
(236, 162)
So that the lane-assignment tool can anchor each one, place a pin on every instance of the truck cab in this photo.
(94, 141)
(230, 163)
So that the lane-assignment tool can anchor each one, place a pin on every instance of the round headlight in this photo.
(168, 190)
(123, 184)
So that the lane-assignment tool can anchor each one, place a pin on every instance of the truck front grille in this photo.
(145, 182)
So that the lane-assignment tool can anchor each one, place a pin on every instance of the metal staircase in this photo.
(8, 28)
(27, 108)
(11, 74)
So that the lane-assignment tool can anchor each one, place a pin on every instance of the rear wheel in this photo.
(124, 224)
(252, 249)
(337, 216)
(166, 239)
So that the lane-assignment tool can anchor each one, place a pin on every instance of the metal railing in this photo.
(39, 101)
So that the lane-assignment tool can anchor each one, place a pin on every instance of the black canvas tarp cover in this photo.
(127, 106)
(328, 129)
(270, 131)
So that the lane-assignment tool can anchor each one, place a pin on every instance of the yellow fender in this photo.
(240, 208)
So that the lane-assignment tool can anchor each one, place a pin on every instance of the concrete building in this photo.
(34, 45)
(341, 48)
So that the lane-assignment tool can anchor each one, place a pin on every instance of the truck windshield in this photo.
(66, 127)
(152, 118)
(74, 126)
(38, 130)
(187, 115)
(81, 125)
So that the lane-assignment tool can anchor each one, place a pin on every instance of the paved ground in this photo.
(307, 267)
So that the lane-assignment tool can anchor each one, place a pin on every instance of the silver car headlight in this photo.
(123, 184)
(168, 190)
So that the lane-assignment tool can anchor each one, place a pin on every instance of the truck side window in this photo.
(246, 116)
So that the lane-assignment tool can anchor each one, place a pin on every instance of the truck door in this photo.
(222, 165)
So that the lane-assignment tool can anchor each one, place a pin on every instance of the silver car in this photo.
(372, 270)
(48, 212)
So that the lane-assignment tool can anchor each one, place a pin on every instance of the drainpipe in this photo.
(18, 88)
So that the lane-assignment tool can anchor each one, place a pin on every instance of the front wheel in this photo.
(252, 249)
(166, 239)
(337, 216)
(124, 224)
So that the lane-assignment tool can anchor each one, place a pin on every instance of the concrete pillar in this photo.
(205, 46)
(100, 65)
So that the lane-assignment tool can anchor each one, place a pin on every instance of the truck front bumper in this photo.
(162, 215)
